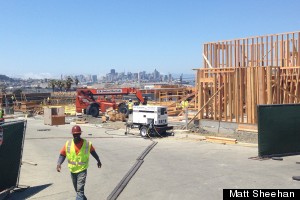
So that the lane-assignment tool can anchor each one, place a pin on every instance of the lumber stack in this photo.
(114, 115)
(221, 140)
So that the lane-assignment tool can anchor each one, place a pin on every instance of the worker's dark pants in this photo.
(78, 180)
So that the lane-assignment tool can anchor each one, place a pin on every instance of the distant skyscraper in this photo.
(139, 79)
(170, 78)
(156, 75)
(135, 76)
(94, 79)
(166, 78)
(112, 71)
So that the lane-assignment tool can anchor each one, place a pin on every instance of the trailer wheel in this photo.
(93, 110)
(144, 131)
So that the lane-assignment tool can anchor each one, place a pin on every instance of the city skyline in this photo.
(59, 76)
(130, 79)
(114, 75)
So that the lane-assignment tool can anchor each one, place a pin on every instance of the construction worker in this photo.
(145, 101)
(48, 101)
(1, 116)
(77, 152)
(184, 104)
(13, 99)
(130, 106)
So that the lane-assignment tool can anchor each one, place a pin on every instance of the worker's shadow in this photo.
(24, 193)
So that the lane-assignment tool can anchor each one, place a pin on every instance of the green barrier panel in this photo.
(11, 148)
(278, 130)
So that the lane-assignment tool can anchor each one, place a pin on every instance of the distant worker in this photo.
(77, 152)
(13, 99)
(1, 116)
(184, 104)
(145, 101)
(130, 106)
(48, 101)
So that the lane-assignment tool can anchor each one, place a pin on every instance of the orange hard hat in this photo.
(76, 129)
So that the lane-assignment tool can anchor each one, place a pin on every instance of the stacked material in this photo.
(28, 106)
(112, 116)
(70, 109)
(120, 117)
(54, 115)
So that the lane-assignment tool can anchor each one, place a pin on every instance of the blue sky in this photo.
(53, 37)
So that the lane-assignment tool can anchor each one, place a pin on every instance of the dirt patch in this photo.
(241, 136)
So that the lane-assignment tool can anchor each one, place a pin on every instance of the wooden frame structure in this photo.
(239, 74)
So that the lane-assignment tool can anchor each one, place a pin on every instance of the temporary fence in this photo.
(11, 148)
(278, 130)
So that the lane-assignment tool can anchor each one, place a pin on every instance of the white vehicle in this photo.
(151, 119)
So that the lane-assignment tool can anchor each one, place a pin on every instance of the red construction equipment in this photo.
(91, 101)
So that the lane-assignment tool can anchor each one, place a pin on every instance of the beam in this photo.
(207, 61)
(205, 104)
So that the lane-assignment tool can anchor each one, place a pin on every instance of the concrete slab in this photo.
(176, 168)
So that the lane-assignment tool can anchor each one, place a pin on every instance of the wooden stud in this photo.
(230, 97)
(298, 52)
(273, 76)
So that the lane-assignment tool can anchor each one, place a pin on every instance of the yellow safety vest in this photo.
(184, 104)
(130, 105)
(78, 163)
(1, 114)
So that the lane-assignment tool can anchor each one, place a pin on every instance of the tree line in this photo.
(53, 83)
(62, 84)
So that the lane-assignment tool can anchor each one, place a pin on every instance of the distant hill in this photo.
(5, 78)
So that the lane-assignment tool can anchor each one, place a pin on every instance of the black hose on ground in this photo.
(125, 180)
(114, 129)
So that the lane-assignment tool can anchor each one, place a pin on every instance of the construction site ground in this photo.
(203, 129)
(183, 166)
